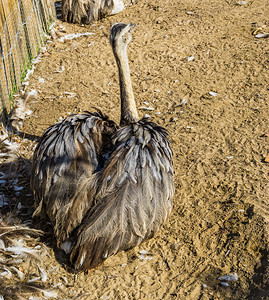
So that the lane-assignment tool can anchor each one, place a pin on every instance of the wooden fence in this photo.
(23, 27)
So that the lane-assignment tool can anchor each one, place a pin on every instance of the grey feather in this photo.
(127, 211)
(87, 11)
(66, 156)
(104, 189)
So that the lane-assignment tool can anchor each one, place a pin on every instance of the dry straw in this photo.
(23, 28)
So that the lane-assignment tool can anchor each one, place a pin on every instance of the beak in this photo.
(132, 26)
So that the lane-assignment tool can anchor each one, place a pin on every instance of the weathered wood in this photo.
(6, 6)
(23, 24)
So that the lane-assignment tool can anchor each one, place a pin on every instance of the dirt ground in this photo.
(199, 65)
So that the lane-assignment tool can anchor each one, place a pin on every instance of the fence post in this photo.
(23, 24)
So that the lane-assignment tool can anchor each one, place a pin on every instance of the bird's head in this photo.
(121, 35)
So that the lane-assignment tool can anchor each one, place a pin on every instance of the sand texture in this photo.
(198, 70)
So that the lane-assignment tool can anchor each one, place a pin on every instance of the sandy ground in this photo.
(198, 64)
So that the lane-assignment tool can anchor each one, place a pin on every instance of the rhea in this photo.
(105, 188)
(87, 11)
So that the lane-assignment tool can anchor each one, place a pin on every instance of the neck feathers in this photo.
(129, 112)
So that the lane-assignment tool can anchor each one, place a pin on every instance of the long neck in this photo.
(128, 106)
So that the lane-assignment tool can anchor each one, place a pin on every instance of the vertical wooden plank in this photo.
(6, 63)
(8, 55)
(3, 77)
(14, 46)
(22, 27)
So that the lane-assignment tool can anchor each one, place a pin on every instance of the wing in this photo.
(64, 166)
(134, 196)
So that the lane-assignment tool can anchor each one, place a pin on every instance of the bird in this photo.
(104, 187)
(87, 11)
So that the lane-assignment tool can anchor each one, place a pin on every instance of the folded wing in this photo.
(133, 199)
(64, 166)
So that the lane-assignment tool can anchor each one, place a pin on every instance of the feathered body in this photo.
(133, 197)
(104, 188)
(64, 166)
(87, 11)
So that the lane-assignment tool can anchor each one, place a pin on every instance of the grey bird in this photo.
(105, 188)
(87, 11)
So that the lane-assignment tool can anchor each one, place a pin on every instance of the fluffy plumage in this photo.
(105, 189)
(64, 166)
(133, 197)
(87, 11)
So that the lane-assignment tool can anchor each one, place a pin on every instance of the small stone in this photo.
(159, 20)
(214, 94)
(229, 277)
(190, 58)
(225, 284)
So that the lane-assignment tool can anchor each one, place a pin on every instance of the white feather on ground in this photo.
(14, 250)
(72, 36)
(18, 272)
(43, 274)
